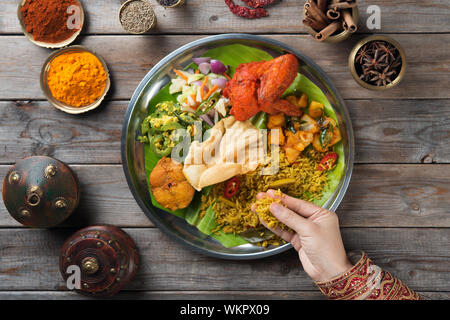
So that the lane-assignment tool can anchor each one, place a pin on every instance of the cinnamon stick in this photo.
(316, 25)
(322, 4)
(312, 16)
(333, 14)
(342, 5)
(315, 12)
(348, 23)
(328, 31)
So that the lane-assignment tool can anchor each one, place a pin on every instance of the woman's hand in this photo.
(316, 236)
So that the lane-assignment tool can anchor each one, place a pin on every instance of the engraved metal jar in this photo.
(106, 256)
(40, 192)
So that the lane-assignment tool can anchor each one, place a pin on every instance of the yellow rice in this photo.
(234, 215)
(262, 209)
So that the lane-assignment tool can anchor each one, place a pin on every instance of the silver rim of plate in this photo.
(133, 151)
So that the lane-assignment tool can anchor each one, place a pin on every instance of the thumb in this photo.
(291, 219)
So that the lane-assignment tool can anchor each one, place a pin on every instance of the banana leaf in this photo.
(233, 55)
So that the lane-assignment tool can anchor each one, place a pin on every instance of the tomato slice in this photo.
(232, 187)
(328, 162)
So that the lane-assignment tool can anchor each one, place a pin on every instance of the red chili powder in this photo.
(47, 20)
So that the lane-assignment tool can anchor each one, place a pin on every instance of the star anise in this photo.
(365, 76)
(382, 77)
(397, 63)
(363, 53)
(388, 52)
(373, 62)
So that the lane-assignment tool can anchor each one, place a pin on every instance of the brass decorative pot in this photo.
(359, 45)
(107, 257)
(40, 192)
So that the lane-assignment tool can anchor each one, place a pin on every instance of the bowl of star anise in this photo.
(377, 62)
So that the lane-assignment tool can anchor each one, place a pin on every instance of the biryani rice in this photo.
(234, 215)
(262, 209)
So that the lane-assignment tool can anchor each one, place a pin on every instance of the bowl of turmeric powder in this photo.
(75, 79)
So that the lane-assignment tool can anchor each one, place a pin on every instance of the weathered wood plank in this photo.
(36, 128)
(418, 256)
(399, 131)
(392, 131)
(168, 295)
(203, 16)
(190, 295)
(378, 196)
(396, 195)
(131, 57)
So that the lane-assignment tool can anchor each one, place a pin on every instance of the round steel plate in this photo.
(133, 150)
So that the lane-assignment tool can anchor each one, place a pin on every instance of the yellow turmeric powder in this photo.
(76, 78)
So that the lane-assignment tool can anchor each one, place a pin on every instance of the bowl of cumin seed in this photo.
(137, 16)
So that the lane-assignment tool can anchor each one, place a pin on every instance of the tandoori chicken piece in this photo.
(277, 75)
(169, 186)
(258, 86)
(243, 92)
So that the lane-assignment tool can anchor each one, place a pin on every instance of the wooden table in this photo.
(396, 208)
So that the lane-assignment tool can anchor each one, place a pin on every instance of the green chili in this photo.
(160, 145)
(185, 118)
(208, 104)
(170, 126)
(260, 120)
(145, 126)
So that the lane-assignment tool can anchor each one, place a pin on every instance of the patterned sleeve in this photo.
(366, 281)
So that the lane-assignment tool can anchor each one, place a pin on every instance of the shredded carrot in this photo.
(194, 97)
(211, 92)
(227, 76)
(181, 75)
(197, 71)
(202, 86)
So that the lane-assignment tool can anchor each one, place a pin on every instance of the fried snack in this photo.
(169, 186)
(258, 86)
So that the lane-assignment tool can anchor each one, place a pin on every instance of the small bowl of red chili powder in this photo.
(51, 23)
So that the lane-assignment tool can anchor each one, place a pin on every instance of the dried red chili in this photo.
(231, 188)
(328, 162)
(258, 3)
(245, 12)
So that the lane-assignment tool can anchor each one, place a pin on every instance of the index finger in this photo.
(302, 207)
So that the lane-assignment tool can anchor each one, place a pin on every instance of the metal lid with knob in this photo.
(40, 191)
(107, 257)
